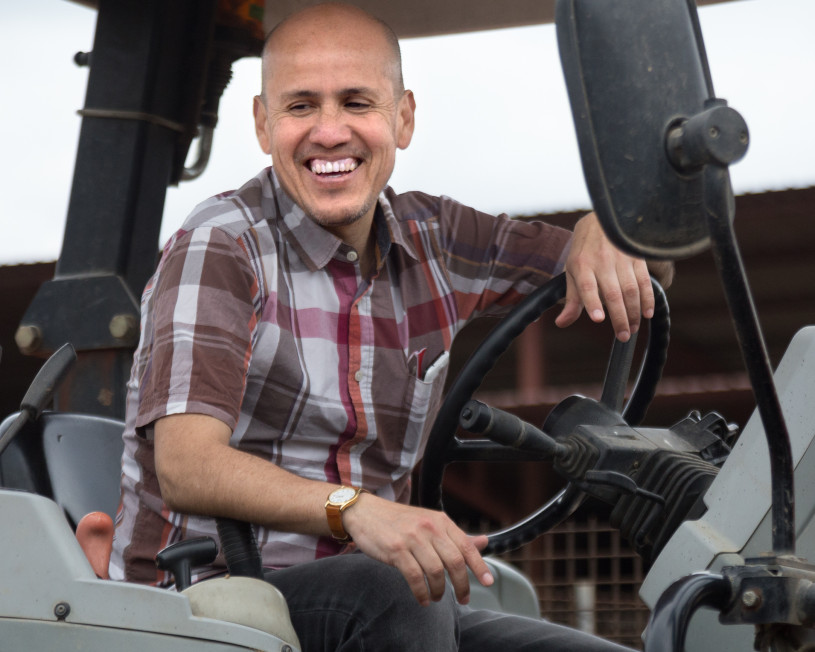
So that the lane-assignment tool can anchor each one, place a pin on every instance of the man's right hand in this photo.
(420, 543)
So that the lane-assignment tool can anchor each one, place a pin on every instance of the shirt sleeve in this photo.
(198, 326)
(494, 262)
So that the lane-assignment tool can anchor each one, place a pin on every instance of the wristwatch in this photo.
(338, 501)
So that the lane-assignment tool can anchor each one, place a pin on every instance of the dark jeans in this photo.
(354, 603)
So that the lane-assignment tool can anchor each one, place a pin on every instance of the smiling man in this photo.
(281, 377)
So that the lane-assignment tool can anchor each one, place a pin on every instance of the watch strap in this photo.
(333, 514)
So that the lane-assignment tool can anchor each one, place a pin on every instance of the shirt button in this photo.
(358, 375)
(352, 256)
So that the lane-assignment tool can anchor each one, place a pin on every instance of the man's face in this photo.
(330, 118)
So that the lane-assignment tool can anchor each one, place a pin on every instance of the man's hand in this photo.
(420, 543)
(598, 273)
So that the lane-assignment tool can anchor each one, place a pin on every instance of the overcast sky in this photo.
(493, 123)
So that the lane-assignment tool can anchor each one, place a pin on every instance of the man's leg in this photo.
(352, 602)
(483, 631)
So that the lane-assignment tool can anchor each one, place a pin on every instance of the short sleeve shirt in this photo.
(261, 318)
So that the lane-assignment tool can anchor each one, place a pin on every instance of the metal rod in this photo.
(720, 212)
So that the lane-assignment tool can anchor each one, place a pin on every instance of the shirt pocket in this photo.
(422, 401)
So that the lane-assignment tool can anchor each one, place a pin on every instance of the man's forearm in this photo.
(200, 473)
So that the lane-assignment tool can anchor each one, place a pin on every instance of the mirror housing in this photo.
(647, 121)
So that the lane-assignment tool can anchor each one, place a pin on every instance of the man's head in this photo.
(333, 111)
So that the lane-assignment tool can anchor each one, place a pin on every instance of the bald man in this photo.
(286, 335)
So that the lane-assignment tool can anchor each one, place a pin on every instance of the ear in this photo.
(261, 125)
(405, 120)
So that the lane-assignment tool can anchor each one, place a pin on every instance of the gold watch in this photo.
(338, 501)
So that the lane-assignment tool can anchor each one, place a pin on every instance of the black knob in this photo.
(179, 558)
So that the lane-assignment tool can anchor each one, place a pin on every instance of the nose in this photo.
(331, 129)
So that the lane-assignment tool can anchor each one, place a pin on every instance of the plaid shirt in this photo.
(259, 317)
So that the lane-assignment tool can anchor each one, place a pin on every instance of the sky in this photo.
(494, 129)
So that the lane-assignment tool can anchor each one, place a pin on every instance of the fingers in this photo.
(429, 550)
(574, 305)
(647, 299)
(450, 550)
(622, 296)
(628, 297)
(424, 545)
(433, 561)
(476, 562)
(424, 584)
(598, 276)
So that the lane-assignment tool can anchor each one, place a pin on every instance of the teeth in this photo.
(332, 167)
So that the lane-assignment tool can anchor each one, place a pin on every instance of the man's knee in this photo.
(427, 627)
(375, 600)
(385, 586)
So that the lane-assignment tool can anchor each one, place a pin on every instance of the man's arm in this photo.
(200, 473)
(598, 273)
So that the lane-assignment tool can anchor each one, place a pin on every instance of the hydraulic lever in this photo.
(181, 557)
(507, 429)
(41, 392)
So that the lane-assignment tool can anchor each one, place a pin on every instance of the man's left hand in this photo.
(598, 274)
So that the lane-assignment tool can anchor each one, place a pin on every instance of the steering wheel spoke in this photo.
(617, 373)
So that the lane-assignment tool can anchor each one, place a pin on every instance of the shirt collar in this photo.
(315, 245)
(394, 228)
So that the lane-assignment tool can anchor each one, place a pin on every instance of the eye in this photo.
(300, 108)
(357, 105)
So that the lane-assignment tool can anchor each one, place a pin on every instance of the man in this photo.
(285, 340)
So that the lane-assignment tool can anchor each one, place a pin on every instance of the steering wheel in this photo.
(444, 447)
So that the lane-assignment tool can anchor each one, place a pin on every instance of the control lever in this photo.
(240, 548)
(507, 429)
(179, 558)
(41, 392)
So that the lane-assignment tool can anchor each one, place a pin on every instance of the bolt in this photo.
(286, 648)
(82, 59)
(122, 326)
(61, 610)
(714, 132)
(751, 599)
(28, 338)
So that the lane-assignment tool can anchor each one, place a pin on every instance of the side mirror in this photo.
(648, 124)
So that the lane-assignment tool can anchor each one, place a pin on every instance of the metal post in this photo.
(147, 76)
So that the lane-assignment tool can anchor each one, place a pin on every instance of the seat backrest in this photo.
(83, 455)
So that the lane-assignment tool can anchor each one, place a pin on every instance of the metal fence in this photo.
(587, 577)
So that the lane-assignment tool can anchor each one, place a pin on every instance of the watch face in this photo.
(342, 495)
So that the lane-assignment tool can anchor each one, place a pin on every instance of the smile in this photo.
(343, 166)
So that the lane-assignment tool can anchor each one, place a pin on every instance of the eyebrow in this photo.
(305, 93)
